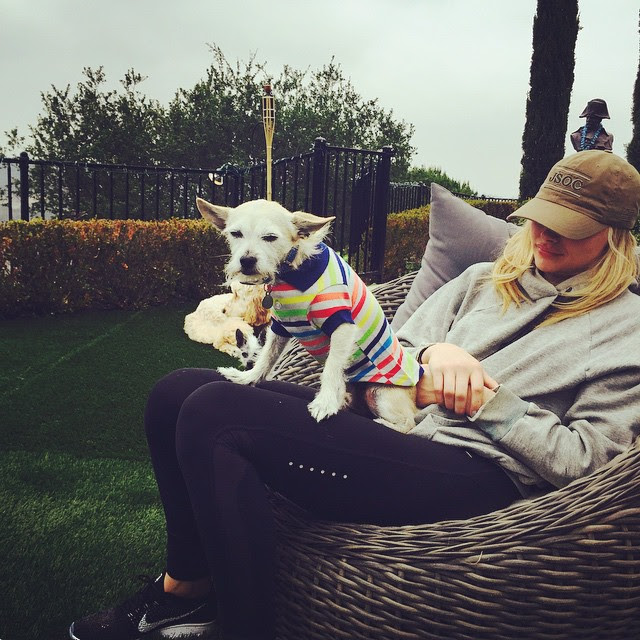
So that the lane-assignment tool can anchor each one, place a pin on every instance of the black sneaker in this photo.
(150, 613)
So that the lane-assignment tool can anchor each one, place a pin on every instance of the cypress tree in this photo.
(633, 148)
(555, 30)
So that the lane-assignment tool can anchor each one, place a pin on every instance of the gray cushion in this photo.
(459, 236)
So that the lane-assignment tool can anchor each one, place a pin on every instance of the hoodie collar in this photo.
(536, 286)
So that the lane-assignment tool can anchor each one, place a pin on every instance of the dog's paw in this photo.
(322, 407)
(237, 376)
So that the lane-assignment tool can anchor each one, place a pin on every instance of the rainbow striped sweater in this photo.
(324, 292)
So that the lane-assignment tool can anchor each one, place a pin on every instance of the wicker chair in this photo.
(565, 565)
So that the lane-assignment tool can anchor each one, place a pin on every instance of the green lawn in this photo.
(79, 512)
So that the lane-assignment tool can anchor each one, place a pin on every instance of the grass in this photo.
(79, 512)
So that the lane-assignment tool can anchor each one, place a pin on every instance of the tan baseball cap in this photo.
(585, 193)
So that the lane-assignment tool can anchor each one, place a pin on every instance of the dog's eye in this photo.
(236, 234)
(270, 238)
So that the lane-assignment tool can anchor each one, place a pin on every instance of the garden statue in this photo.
(593, 135)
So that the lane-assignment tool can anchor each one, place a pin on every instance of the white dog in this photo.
(231, 322)
(318, 299)
(244, 302)
(229, 335)
(235, 337)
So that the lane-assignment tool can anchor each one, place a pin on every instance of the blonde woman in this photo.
(531, 380)
(554, 321)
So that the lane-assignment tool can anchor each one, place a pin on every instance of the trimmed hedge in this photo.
(407, 235)
(59, 266)
(496, 208)
(408, 232)
(64, 266)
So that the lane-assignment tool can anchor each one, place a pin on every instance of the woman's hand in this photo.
(455, 379)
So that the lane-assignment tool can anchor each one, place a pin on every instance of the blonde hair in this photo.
(609, 277)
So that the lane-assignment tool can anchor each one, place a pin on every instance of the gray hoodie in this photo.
(569, 399)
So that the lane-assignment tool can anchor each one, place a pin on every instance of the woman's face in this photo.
(559, 258)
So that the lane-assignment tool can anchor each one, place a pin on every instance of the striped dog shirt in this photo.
(312, 301)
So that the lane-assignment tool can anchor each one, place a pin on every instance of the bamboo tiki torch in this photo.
(269, 122)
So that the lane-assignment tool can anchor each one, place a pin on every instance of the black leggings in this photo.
(215, 444)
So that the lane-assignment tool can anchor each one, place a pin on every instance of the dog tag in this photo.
(267, 301)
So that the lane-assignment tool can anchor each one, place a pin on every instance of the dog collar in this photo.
(285, 265)
(291, 256)
(267, 301)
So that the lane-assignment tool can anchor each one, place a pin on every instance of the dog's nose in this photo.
(248, 264)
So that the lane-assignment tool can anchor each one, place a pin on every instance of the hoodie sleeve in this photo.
(434, 317)
(602, 386)
(601, 424)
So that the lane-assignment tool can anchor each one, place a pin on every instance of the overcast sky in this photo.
(456, 69)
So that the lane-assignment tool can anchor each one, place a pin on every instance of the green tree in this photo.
(555, 30)
(437, 175)
(14, 143)
(325, 103)
(217, 121)
(95, 125)
(633, 148)
(92, 124)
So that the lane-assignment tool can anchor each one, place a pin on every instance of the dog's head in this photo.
(248, 346)
(261, 234)
(240, 340)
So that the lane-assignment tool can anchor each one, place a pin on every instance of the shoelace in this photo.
(140, 601)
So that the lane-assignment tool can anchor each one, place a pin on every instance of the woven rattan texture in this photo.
(562, 566)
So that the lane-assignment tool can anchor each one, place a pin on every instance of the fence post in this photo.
(318, 176)
(380, 212)
(24, 186)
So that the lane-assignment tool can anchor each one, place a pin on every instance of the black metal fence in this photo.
(408, 195)
(82, 190)
(350, 184)
(412, 195)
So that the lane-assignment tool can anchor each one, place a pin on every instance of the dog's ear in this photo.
(307, 223)
(261, 334)
(213, 213)
(240, 338)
